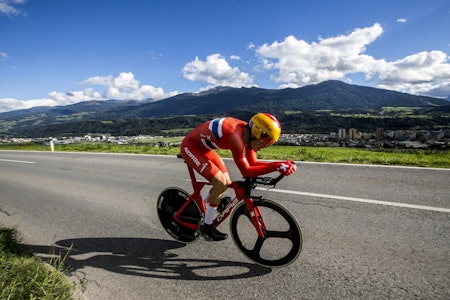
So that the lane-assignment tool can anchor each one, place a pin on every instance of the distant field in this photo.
(417, 158)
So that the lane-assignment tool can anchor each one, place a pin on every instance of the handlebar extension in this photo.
(264, 180)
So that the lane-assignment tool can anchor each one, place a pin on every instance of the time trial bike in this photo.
(262, 229)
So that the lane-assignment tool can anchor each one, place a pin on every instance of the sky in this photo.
(60, 52)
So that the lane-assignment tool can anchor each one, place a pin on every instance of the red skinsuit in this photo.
(198, 147)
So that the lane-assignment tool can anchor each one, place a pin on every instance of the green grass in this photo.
(405, 157)
(416, 158)
(23, 276)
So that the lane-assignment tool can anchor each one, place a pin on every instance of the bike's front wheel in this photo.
(170, 202)
(283, 237)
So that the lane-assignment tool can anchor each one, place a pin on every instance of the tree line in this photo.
(297, 122)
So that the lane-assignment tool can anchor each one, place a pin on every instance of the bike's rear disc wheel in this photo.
(169, 202)
(283, 241)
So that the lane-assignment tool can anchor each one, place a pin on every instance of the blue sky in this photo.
(59, 52)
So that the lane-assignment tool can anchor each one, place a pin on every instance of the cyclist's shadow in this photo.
(143, 257)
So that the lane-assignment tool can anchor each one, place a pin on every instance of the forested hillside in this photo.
(320, 108)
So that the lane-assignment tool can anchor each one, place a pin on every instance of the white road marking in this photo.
(18, 161)
(372, 166)
(423, 207)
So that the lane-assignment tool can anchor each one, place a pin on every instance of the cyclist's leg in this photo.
(219, 183)
(208, 164)
(221, 179)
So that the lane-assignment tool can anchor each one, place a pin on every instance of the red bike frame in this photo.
(242, 194)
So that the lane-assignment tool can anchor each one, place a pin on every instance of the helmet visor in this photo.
(266, 139)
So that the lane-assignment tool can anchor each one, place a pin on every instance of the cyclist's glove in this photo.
(286, 167)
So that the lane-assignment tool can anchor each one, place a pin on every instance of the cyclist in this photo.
(244, 140)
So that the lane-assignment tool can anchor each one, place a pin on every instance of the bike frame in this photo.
(242, 189)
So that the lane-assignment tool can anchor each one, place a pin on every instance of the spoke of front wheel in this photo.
(258, 245)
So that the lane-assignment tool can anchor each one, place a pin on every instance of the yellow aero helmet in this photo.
(265, 128)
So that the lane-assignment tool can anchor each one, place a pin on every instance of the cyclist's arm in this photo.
(252, 158)
(247, 163)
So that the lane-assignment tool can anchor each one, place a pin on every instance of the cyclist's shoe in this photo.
(210, 233)
(223, 202)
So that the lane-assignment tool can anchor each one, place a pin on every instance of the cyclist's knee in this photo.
(220, 182)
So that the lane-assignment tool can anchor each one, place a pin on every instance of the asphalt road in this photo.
(369, 232)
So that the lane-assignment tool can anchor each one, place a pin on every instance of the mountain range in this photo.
(335, 96)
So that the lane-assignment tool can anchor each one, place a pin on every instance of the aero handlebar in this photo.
(264, 180)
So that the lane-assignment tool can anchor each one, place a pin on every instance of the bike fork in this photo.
(256, 218)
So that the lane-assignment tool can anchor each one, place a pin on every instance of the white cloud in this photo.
(296, 62)
(54, 99)
(126, 87)
(99, 80)
(122, 87)
(154, 55)
(9, 104)
(216, 72)
(3, 56)
(72, 97)
(420, 73)
(125, 81)
(9, 7)
(402, 20)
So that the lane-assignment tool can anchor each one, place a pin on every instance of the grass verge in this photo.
(397, 157)
(23, 276)
(405, 157)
